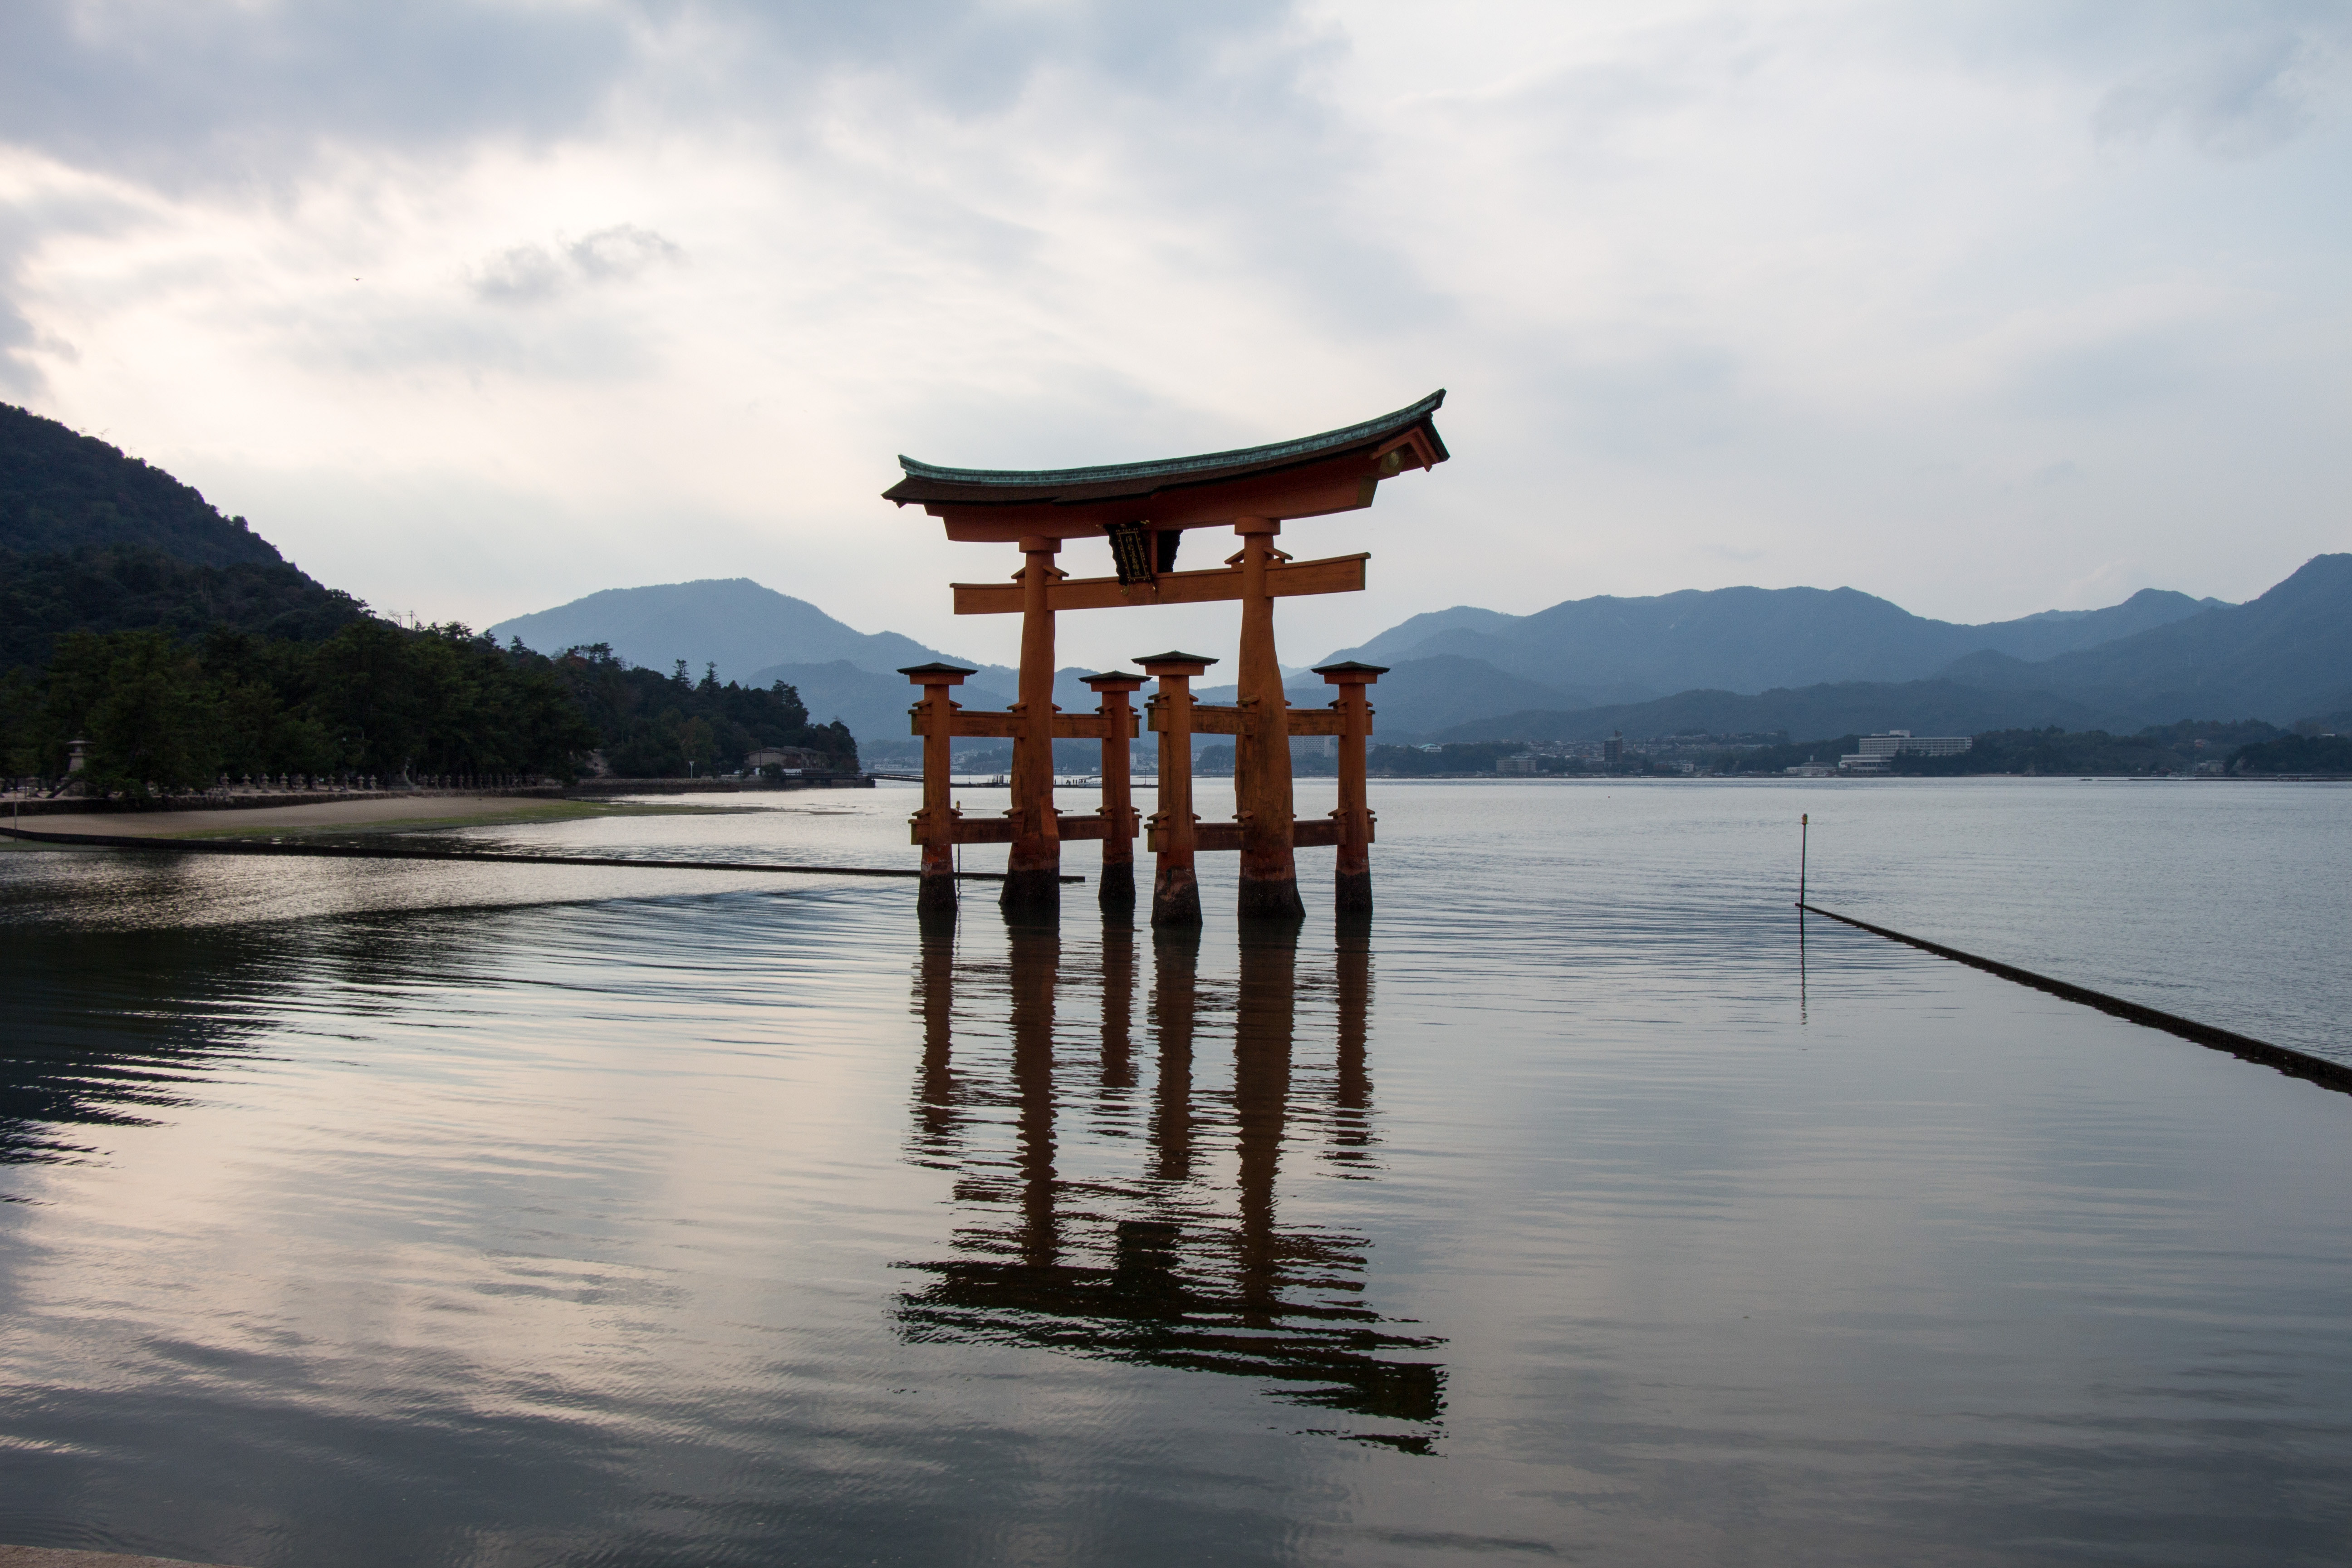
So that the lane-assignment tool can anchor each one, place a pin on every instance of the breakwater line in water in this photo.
(496, 857)
(2293, 1063)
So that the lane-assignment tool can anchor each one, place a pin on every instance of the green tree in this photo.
(2298, 755)
(366, 698)
(142, 701)
(698, 745)
(19, 702)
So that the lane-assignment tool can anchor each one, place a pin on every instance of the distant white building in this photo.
(1525, 763)
(1876, 750)
(1903, 742)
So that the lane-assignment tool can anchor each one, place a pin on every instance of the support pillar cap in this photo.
(1176, 663)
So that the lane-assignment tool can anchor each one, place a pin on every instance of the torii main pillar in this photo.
(1262, 802)
(1033, 871)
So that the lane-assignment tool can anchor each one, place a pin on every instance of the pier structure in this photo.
(1143, 510)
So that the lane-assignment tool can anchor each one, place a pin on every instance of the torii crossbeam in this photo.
(1144, 509)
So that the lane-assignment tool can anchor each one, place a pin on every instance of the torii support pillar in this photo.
(1262, 801)
(934, 824)
(1115, 892)
(1033, 871)
(1352, 892)
(1175, 894)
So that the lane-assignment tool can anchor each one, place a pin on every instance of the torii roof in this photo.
(1314, 474)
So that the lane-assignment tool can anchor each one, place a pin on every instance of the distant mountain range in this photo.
(2282, 658)
(1808, 661)
(2283, 655)
(93, 540)
(757, 636)
(1609, 650)
(732, 622)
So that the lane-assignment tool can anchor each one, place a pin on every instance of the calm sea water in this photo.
(1574, 1209)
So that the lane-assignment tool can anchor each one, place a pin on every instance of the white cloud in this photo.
(533, 274)
(622, 251)
(520, 275)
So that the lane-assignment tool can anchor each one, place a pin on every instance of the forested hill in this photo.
(61, 492)
(180, 646)
(124, 588)
(93, 540)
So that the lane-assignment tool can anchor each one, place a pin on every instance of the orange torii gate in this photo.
(1144, 509)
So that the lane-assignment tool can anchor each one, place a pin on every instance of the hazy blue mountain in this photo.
(1842, 707)
(1747, 639)
(2285, 657)
(62, 492)
(1422, 695)
(732, 622)
(2280, 657)
(2154, 658)
(1399, 641)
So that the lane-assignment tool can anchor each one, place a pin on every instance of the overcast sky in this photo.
(476, 308)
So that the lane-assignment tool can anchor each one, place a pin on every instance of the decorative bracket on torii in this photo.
(1144, 509)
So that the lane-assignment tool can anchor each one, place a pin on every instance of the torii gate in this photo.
(1144, 509)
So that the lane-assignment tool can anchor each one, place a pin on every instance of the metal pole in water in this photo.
(1804, 834)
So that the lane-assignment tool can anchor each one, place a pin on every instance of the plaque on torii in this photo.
(1144, 509)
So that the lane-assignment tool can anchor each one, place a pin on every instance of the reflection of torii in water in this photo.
(1170, 1284)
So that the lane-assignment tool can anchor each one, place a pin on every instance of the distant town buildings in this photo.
(1687, 753)
(1877, 751)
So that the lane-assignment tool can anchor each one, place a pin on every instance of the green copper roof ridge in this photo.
(1304, 447)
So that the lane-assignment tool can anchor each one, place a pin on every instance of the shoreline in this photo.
(586, 789)
(398, 813)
